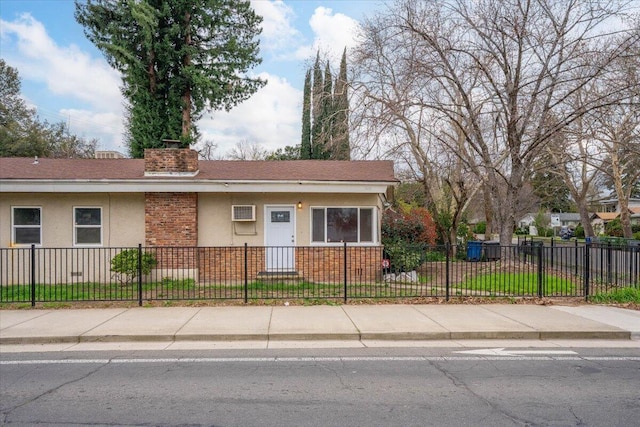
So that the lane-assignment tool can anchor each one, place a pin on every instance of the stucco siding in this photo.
(215, 227)
(122, 217)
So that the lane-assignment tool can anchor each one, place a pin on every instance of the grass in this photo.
(518, 284)
(498, 284)
(620, 296)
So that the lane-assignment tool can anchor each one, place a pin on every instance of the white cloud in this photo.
(271, 118)
(66, 71)
(332, 33)
(277, 31)
(108, 127)
(70, 76)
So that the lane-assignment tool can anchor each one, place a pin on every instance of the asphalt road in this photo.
(323, 387)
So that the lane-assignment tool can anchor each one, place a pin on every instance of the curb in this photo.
(381, 336)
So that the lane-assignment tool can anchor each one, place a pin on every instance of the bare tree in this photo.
(247, 150)
(502, 71)
(616, 127)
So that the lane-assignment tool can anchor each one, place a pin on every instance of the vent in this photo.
(243, 213)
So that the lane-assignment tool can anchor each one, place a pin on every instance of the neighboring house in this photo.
(613, 205)
(565, 219)
(635, 215)
(600, 219)
(556, 220)
(527, 220)
(171, 199)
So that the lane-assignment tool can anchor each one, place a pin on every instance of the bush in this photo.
(614, 228)
(521, 232)
(579, 232)
(404, 258)
(636, 235)
(409, 225)
(125, 265)
(480, 228)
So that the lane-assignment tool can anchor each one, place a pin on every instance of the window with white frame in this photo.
(344, 224)
(87, 228)
(26, 225)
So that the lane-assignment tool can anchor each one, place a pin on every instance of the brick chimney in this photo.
(170, 162)
(171, 219)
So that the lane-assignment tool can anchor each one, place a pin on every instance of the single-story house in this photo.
(600, 219)
(556, 220)
(172, 199)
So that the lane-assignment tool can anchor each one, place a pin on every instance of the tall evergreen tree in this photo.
(325, 120)
(316, 108)
(177, 58)
(340, 148)
(305, 144)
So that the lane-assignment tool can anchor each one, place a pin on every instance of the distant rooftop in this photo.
(109, 155)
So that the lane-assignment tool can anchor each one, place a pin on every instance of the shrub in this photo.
(579, 232)
(125, 265)
(405, 236)
(409, 226)
(404, 257)
(614, 228)
(480, 228)
(636, 235)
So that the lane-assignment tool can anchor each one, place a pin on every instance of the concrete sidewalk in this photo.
(291, 323)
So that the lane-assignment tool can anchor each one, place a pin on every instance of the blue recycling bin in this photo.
(474, 251)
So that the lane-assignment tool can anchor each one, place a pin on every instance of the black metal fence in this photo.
(528, 269)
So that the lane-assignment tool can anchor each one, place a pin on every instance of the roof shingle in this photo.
(20, 168)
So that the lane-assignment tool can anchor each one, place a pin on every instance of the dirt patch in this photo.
(300, 302)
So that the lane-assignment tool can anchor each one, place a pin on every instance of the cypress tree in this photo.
(316, 109)
(326, 116)
(305, 144)
(340, 149)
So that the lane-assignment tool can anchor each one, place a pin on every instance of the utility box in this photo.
(491, 250)
(474, 251)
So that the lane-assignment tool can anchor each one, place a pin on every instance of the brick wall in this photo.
(314, 264)
(170, 160)
(171, 219)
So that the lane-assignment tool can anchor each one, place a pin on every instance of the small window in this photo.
(338, 225)
(87, 226)
(27, 225)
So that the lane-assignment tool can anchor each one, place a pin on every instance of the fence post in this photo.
(33, 275)
(552, 252)
(540, 269)
(446, 265)
(246, 273)
(609, 272)
(345, 272)
(576, 259)
(139, 274)
(587, 269)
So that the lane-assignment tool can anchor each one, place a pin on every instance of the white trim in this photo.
(76, 226)
(374, 226)
(190, 186)
(13, 226)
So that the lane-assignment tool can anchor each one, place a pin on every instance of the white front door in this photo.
(280, 238)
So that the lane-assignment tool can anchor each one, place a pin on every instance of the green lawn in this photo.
(518, 284)
(623, 295)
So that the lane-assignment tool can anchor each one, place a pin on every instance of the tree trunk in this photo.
(585, 220)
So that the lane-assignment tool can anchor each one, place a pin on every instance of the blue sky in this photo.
(65, 78)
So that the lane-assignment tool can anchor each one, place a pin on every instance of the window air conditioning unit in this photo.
(243, 213)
